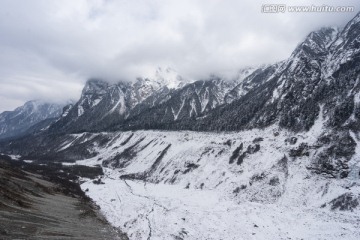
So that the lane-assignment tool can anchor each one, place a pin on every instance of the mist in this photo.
(50, 48)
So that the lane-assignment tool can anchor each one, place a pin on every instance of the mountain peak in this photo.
(316, 43)
(94, 86)
(165, 77)
(32, 103)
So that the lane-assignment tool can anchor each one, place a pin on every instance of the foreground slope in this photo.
(32, 207)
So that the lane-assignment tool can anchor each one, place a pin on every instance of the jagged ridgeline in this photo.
(320, 78)
(148, 103)
(320, 75)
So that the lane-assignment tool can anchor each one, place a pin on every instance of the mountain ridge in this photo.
(291, 94)
(19, 121)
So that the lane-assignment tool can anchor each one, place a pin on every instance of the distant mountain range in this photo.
(33, 116)
(320, 80)
(321, 74)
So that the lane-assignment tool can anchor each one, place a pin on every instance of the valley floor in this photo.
(162, 211)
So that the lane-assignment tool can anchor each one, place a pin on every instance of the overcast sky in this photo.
(50, 48)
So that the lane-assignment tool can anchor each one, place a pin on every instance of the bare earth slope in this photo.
(34, 208)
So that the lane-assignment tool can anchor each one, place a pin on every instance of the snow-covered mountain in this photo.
(165, 94)
(316, 74)
(277, 156)
(193, 185)
(319, 79)
(322, 71)
(188, 103)
(104, 104)
(23, 119)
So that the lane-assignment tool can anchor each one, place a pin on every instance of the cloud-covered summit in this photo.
(49, 48)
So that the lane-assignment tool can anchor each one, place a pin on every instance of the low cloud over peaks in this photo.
(50, 48)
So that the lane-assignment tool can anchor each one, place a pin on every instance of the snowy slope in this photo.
(162, 77)
(158, 211)
(256, 184)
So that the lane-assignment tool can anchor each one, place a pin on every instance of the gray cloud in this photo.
(49, 48)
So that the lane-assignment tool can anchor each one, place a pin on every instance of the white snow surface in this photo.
(195, 193)
(162, 77)
(162, 211)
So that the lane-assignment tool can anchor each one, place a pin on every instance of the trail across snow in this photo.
(161, 211)
(237, 185)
